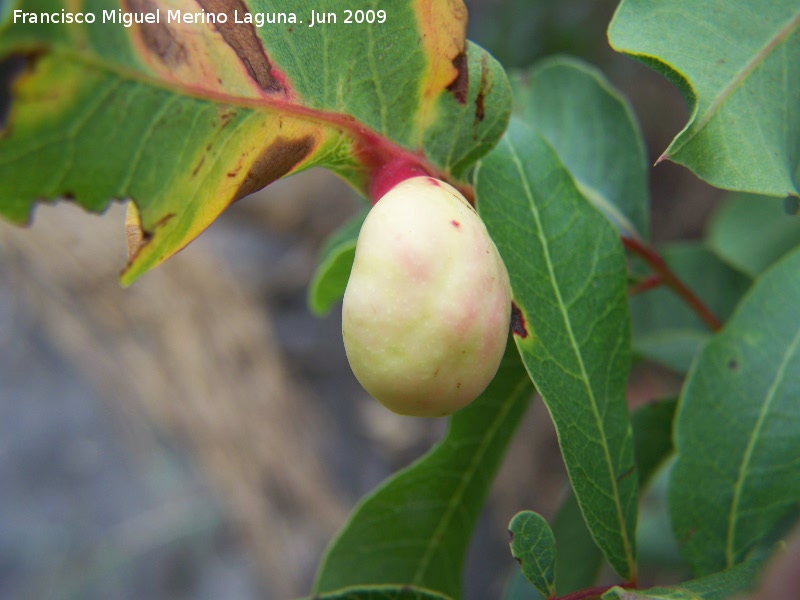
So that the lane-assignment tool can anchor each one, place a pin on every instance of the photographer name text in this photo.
(259, 19)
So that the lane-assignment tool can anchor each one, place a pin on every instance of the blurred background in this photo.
(200, 435)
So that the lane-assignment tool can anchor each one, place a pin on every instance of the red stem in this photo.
(648, 283)
(372, 149)
(665, 274)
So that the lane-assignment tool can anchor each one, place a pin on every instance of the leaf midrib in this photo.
(335, 122)
(741, 76)
(579, 358)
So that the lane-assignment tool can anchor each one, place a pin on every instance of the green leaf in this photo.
(333, 268)
(652, 437)
(737, 430)
(719, 586)
(738, 64)
(415, 528)
(571, 324)
(752, 232)
(185, 118)
(464, 130)
(595, 133)
(381, 592)
(578, 559)
(6, 9)
(657, 546)
(534, 548)
(665, 329)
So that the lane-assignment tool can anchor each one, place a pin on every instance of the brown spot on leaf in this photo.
(225, 116)
(483, 90)
(626, 473)
(733, 365)
(518, 322)
(275, 161)
(459, 87)
(10, 68)
(479, 109)
(510, 536)
(164, 220)
(159, 38)
(196, 170)
(244, 41)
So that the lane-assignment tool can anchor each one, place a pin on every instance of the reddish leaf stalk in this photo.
(385, 177)
(648, 283)
(373, 150)
(667, 277)
(387, 163)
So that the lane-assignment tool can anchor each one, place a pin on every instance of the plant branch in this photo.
(665, 274)
(648, 283)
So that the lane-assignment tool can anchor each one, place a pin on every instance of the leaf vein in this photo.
(578, 356)
(748, 69)
(733, 515)
(454, 503)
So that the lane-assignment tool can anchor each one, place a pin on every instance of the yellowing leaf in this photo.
(189, 112)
